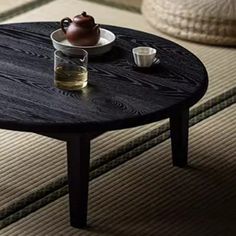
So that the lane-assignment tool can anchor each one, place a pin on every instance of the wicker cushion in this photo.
(206, 21)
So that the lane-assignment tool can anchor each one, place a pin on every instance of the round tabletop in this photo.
(117, 96)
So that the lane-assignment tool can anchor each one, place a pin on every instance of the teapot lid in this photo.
(84, 20)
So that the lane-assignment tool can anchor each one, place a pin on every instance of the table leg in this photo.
(78, 155)
(179, 137)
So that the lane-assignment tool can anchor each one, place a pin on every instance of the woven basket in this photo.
(205, 21)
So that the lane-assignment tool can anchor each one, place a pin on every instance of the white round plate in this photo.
(104, 44)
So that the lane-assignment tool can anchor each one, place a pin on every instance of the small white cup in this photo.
(144, 56)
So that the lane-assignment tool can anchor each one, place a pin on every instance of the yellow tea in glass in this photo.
(70, 72)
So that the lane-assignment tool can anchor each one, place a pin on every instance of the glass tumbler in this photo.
(70, 71)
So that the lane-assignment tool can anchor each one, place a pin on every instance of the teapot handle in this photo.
(66, 19)
(96, 27)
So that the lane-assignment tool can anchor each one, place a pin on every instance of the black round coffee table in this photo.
(118, 95)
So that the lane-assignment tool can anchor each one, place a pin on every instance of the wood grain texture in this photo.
(118, 96)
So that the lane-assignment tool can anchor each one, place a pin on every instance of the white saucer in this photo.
(104, 44)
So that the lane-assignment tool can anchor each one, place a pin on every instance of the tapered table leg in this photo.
(78, 153)
(179, 137)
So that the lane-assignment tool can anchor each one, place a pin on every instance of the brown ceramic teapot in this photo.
(82, 31)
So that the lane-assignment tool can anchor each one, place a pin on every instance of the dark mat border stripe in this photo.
(22, 9)
(58, 189)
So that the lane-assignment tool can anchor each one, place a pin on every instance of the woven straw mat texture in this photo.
(211, 21)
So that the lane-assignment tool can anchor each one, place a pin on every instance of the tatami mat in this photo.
(28, 162)
(147, 196)
(11, 4)
(134, 5)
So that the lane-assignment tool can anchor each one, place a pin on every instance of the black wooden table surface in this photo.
(117, 96)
